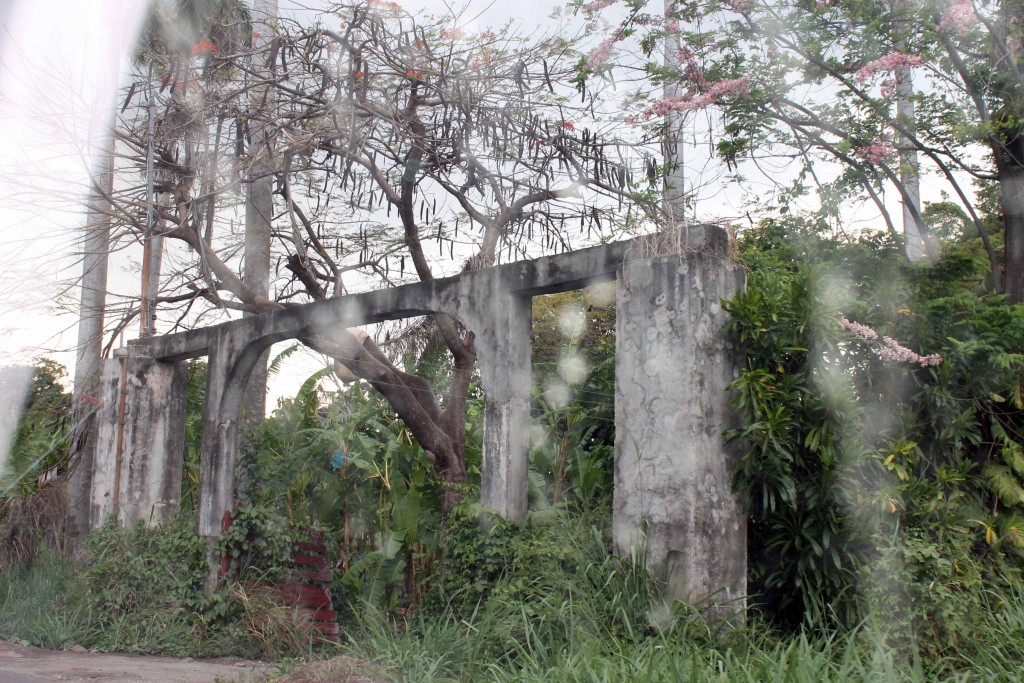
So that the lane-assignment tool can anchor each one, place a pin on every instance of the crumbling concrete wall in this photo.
(673, 475)
(140, 442)
(673, 493)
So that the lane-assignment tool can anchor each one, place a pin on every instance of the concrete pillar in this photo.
(673, 475)
(221, 416)
(500, 320)
(140, 441)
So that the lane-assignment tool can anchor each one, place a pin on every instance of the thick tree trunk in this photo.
(1011, 194)
(96, 247)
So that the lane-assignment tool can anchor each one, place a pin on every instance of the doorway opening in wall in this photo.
(193, 435)
(573, 409)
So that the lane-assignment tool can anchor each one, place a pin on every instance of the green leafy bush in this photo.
(860, 471)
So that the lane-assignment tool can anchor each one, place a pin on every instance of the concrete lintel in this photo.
(543, 275)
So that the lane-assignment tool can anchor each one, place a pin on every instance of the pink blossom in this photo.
(738, 5)
(694, 100)
(597, 5)
(892, 61)
(960, 16)
(455, 33)
(600, 53)
(692, 71)
(671, 27)
(858, 330)
(877, 152)
(888, 349)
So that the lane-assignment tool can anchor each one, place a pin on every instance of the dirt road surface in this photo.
(19, 664)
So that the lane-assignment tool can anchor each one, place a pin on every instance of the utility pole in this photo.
(259, 204)
(95, 249)
(910, 174)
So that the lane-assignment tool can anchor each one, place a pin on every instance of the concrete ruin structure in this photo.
(673, 498)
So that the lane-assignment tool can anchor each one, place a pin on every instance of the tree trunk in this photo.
(674, 191)
(1011, 195)
(96, 247)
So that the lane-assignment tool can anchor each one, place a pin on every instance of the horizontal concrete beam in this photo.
(545, 275)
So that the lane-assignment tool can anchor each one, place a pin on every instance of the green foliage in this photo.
(141, 590)
(843, 451)
(554, 579)
(257, 545)
(196, 399)
(43, 426)
(573, 415)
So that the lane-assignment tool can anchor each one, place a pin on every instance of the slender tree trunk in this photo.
(96, 247)
(674, 191)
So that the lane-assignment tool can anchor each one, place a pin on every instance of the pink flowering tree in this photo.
(820, 82)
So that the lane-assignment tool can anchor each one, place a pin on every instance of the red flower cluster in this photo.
(568, 125)
(414, 74)
(360, 74)
(204, 46)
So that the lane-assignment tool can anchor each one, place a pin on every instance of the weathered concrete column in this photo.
(500, 320)
(673, 475)
(140, 441)
(221, 416)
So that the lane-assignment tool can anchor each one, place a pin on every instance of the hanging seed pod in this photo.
(401, 267)
(451, 249)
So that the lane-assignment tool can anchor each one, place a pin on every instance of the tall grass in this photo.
(37, 607)
(593, 618)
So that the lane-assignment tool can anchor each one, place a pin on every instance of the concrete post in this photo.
(140, 441)
(221, 416)
(673, 475)
(500, 320)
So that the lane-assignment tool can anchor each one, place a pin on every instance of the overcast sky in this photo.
(60, 65)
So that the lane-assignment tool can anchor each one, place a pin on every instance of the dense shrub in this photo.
(861, 471)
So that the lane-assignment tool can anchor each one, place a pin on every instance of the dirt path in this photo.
(19, 664)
